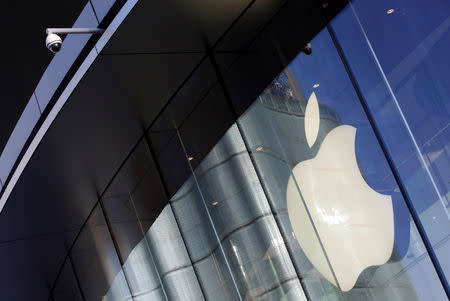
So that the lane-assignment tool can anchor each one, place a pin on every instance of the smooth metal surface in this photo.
(74, 30)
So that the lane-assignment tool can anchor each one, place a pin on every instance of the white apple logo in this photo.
(355, 224)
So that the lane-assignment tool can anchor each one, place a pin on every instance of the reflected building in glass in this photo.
(237, 237)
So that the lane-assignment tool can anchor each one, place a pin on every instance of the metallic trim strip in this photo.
(118, 19)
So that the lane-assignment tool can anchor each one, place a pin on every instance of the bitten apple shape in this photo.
(354, 223)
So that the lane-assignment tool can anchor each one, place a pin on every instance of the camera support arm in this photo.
(74, 30)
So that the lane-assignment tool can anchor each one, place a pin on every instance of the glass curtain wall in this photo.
(397, 52)
(333, 185)
(295, 201)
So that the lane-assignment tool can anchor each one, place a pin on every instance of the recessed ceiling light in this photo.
(316, 85)
(214, 203)
(191, 158)
(259, 148)
(390, 11)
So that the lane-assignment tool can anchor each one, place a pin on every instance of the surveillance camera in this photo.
(307, 49)
(53, 42)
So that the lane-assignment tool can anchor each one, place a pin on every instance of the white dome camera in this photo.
(53, 42)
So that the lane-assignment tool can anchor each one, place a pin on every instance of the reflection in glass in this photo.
(171, 258)
(226, 195)
(350, 225)
(142, 275)
(400, 63)
(161, 254)
(297, 198)
(96, 264)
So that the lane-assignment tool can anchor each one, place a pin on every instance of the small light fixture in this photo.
(215, 203)
(390, 11)
(259, 148)
(191, 158)
(316, 85)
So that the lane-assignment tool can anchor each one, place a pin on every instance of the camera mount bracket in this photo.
(74, 30)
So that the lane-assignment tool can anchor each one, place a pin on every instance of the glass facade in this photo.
(333, 185)
(406, 89)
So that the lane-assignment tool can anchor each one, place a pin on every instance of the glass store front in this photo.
(333, 185)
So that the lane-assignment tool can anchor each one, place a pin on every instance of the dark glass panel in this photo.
(96, 262)
(66, 287)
